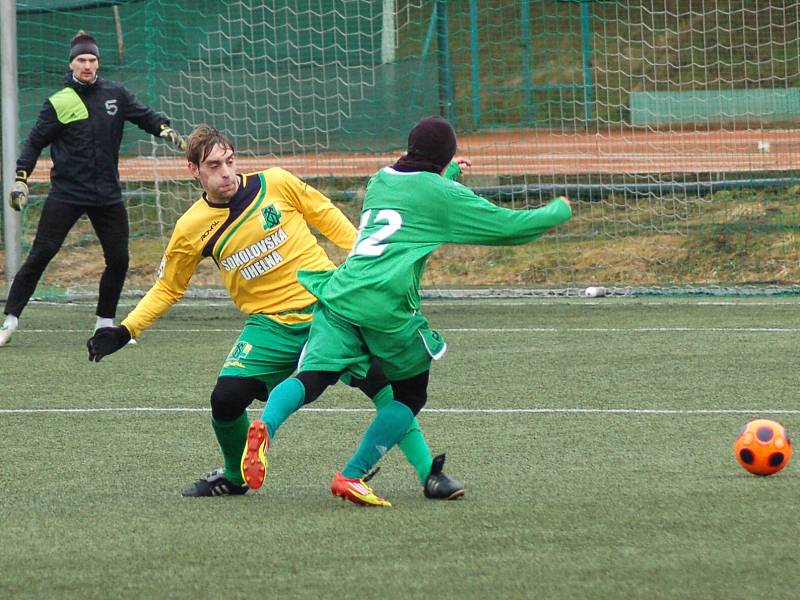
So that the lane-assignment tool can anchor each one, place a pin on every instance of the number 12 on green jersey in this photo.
(374, 244)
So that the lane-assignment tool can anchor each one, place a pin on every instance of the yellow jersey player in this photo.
(255, 227)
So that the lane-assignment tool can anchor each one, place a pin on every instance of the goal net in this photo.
(672, 125)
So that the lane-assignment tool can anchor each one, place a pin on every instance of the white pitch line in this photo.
(608, 302)
(624, 329)
(504, 330)
(157, 330)
(600, 411)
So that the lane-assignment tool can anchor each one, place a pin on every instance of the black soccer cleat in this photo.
(439, 486)
(214, 484)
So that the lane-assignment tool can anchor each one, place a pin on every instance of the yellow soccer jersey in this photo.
(258, 241)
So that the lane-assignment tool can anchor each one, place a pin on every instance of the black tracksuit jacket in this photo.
(83, 126)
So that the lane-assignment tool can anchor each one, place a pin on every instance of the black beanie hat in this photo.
(432, 139)
(83, 43)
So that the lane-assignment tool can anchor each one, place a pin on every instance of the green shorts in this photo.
(335, 344)
(266, 350)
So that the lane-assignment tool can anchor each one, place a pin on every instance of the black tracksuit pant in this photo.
(110, 222)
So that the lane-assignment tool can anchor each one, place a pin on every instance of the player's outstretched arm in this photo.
(107, 340)
(474, 220)
(177, 267)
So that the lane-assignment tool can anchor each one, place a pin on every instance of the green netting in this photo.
(548, 96)
(281, 77)
(316, 67)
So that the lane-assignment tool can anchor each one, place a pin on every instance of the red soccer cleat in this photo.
(356, 491)
(254, 457)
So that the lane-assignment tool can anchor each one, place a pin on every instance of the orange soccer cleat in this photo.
(356, 491)
(254, 457)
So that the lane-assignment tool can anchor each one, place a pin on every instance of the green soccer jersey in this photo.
(405, 217)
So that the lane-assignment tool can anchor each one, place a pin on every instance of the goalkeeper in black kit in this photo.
(83, 125)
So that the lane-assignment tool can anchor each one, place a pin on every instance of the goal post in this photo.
(8, 93)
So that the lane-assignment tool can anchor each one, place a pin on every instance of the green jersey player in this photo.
(256, 229)
(369, 307)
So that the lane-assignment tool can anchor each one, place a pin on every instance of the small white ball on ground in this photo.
(594, 292)
(763, 146)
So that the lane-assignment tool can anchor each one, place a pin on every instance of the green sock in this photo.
(413, 443)
(232, 436)
(283, 401)
(383, 433)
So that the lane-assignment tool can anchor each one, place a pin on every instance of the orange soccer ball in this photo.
(763, 447)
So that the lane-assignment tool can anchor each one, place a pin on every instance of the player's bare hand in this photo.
(463, 163)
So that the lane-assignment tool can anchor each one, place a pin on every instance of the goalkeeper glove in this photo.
(107, 340)
(18, 196)
(172, 136)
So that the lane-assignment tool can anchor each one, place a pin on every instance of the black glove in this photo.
(107, 340)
